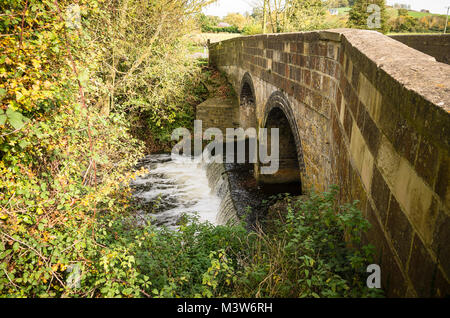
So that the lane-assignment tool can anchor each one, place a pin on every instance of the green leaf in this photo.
(127, 291)
(15, 118)
(3, 118)
(9, 111)
(23, 144)
(5, 253)
(84, 77)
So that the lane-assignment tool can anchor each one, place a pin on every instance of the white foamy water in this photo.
(173, 188)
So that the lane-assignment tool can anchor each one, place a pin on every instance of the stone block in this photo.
(427, 157)
(316, 81)
(380, 194)
(405, 139)
(400, 231)
(370, 97)
(441, 287)
(441, 241)
(442, 186)
(348, 123)
(370, 131)
(392, 277)
(331, 50)
(421, 269)
(330, 68)
(362, 157)
(342, 111)
(375, 233)
(307, 77)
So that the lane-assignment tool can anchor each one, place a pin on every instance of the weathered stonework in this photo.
(436, 45)
(218, 112)
(371, 115)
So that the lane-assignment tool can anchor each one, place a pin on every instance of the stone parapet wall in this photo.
(373, 117)
(436, 45)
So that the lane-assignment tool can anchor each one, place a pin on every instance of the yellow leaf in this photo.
(36, 63)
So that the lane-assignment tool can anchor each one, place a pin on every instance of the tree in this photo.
(404, 23)
(264, 17)
(144, 63)
(290, 15)
(207, 21)
(368, 14)
(402, 12)
(303, 15)
(338, 3)
(236, 19)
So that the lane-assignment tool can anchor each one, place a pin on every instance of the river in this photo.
(218, 193)
(173, 188)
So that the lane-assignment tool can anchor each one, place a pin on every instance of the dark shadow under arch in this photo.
(247, 88)
(278, 114)
(247, 102)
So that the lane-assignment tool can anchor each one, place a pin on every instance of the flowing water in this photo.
(173, 188)
(217, 193)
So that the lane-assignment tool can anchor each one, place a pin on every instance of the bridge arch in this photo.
(278, 114)
(247, 102)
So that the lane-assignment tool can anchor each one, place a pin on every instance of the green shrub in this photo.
(313, 251)
(230, 29)
(252, 29)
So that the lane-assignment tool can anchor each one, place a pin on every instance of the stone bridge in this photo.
(366, 112)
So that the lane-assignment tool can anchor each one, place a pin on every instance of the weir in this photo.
(220, 185)
(240, 186)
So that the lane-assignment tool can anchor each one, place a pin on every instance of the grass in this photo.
(195, 48)
(413, 33)
(394, 13)
(201, 38)
(416, 14)
(343, 11)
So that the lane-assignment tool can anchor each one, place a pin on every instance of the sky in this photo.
(223, 7)
(435, 6)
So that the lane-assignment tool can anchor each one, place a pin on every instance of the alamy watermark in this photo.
(73, 17)
(73, 280)
(374, 279)
(374, 20)
(258, 151)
